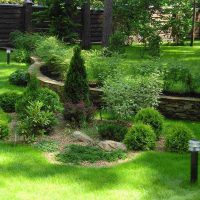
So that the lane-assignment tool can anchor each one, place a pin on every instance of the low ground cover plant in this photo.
(19, 77)
(140, 137)
(47, 145)
(8, 101)
(177, 138)
(151, 117)
(77, 154)
(112, 131)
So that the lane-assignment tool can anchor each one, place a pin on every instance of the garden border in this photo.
(186, 108)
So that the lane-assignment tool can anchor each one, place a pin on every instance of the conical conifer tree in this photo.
(76, 84)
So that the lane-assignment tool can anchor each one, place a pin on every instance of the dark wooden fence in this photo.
(23, 18)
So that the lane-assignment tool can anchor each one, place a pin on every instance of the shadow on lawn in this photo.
(156, 175)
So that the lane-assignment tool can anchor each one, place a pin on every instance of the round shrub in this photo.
(177, 138)
(19, 77)
(4, 131)
(151, 117)
(140, 137)
(49, 98)
(110, 131)
(8, 101)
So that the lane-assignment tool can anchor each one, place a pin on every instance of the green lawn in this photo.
(26, 174)
(130, 61)
(5, 71)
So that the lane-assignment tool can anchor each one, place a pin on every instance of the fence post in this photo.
(86, 23)
(28, 15)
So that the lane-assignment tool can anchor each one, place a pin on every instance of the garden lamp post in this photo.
(8, 51)
(194, 148)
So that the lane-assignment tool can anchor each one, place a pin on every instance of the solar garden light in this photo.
(194, 148)
(8, 51)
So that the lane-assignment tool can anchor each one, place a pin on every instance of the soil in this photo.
(62, 135)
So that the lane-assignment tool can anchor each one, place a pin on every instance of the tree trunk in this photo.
(86, 29)
(193, 24)
(107, 23)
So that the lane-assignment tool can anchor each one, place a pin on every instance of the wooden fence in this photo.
(22, 17)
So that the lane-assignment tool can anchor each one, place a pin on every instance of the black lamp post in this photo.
(8, 51)
(194, 148)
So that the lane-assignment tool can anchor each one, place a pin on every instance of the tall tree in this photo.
(107, 23)
(193, 23)
(86, 33)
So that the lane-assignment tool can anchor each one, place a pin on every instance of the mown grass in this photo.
(5, 71)
(26, 174)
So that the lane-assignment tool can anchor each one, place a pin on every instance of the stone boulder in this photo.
(81, 137)
(109, 145)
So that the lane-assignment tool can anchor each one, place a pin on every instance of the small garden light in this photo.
(194, 148)
(8, 51)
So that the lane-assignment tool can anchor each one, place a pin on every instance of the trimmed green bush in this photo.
(111, 131)
(151, 117)
(19, 77)
(177, 138)
(77, 154)
(140, 137)
(8, 101)
(76, 84)
(78, 108)
(4, 130)
(49, 98)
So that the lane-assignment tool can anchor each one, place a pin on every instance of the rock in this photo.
(109, 145)
(81, 137)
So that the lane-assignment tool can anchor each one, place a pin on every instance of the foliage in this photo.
(25, 41)
(154, 45)
(112, 131)
(176, 75)
(177, 138)
(76, 84)
(117, 42)
(21, 56)
(76, 91)
(179, 19)
(54, 53)
(140, 137)
(8, 101)
(4, 130)
(124, 96)
(78, 113)
(47, 145)
(77, 154)
(50, 100)
(19, 77)
(36, 122)
(152, 117)
(62, 19)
